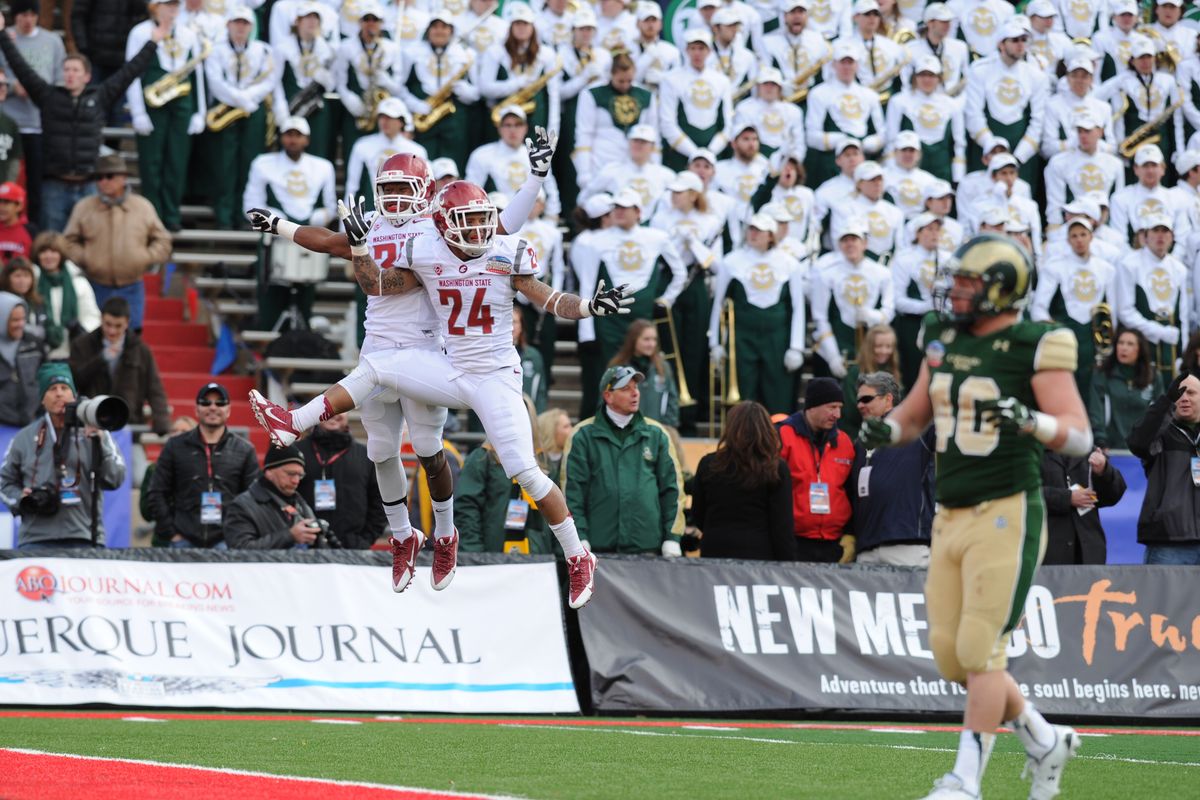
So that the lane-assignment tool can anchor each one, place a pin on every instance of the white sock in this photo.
(973, 752)
(1035, 733)
(568, 537)
(443, 517)
(398, 522)
(312, 412)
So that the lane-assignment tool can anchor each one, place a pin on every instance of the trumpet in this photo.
(174, 84)
(524, 97)
(440, 103)
(1146, 132)
(685, 396)
(802, 78)
(1102, 331)
(726, 376)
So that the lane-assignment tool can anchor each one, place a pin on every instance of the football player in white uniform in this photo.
(404, 187)
(472, 278)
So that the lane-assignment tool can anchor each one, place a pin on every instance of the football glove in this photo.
(609, 301)
(849, 549)
(354, 223)
(263, 220)
(1009, 414)
(877, 432)
(541, 151)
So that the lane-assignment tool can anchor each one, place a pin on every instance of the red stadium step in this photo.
(175, 334)
(152, 451)
(163, 309)
(170, 358)
(153, 284)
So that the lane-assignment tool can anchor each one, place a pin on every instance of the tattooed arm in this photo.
(570, 306)
(376, 281)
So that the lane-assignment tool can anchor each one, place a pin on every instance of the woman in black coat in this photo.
(742, 492)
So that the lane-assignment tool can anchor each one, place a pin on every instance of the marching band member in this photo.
(1115, 42)
(1049, 45)
(789, 193)
(981, 23)
(604, 119)
(795, 49)
(616, 27)
(884, 222)
(881, 55)
(478, 24)
(242, 74)
(366, 69)
(780, 124)
(307, 61)
(849, 292)
(939, 199)
(730, 55)
(1153, 292)
(903, 180)
(584, 67)
(504, 165)
(914, 271)
(1147, 198)
(1084, 168)
(1081, 19)
(1058, 131)
(164, 133)
(438, 59)
(406, 22)
(830, 19)
(740, 175)
(635, 170)
(766, 288)
(555, 23)
(833, 192)
(285, 13)
(1002, 169)
(1141, 95)
(518, 63)
(653, 56)
(980, 181)
(1177, 35)
(935, 118)
(369, 152)
(704, 164)
(953, 55)
(838, 109)
(204, 23)
(695, 104)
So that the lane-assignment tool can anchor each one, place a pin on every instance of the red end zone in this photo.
(33, 775)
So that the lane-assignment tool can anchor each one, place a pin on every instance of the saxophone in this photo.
(441, 104)
(802, 78)
(1147, 131)
(881, 83)
(175, 84)
(372, 97)
(222, 115)
(524, 97)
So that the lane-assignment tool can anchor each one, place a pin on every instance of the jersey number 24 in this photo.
(479, 315)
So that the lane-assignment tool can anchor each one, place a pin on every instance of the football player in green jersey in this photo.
(984, 374)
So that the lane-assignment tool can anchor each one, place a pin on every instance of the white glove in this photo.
(717, 353)
(420, 107)
(354, 106)
(196, 124)
(671, 549)
(838, 367)
(653, 77)
(1170, 334)
(142, 124)
(325, 78)
(541, 150)
(249, 106)
(793, 359)
(662, 301)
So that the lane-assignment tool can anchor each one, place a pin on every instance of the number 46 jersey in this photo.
(474, 298)
(975, 461)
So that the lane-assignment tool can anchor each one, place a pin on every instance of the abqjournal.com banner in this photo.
(282, 635)
(730, 636)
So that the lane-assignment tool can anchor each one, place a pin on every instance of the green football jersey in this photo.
(975, 461)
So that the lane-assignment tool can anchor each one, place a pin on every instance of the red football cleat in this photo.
(275, 419)
(404, 560)
(445, 561)
(581, 574)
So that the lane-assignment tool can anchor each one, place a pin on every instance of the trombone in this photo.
(723, 375)
(685, 396)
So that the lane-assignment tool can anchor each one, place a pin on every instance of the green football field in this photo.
(597, 758)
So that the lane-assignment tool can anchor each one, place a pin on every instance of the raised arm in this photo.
(570, 306)
(310, 237)
(371, 278)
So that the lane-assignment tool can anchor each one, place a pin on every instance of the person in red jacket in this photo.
(14, 237)
(820, 458)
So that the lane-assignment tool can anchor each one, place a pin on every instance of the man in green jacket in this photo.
(621, 474)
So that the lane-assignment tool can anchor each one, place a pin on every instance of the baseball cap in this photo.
(584, 18)
(443, 168)
(847, 142)
(991, 141)
(1013, 29)
(1155, 221)
(392, 107)
(1000, 161)
(619, 377)
(907, 140)
(1124, 7)
(212, 387)
(1099, 198)
(867, 171)
(308, 9)
(698, 35)
(627, 198)
(512, 110)
(12, 193)
(644, 133)
(769, 75)
(242, 13)
(1148, 154)
(726, 16)
(928, 63)
(370, 9)
(647, 10)
(598, 205)
(744, 124)
(686, 181)
(1085, 64)
(705, 154)
(788, 5)
(1083, 222)
(764, 222)
(1086, 119)
(843, 48)
(939, 12)
(441, 15)
(866, 7)
(1141, 46)
(1083, 205)
(708, 3)
(924, 219)
(938, 188)
(777, 211)
(1041, 8)
(519, 12)
(1168, 3)
(297, 124)
(854, 226)
(1186, 161)
(1016, 225)
(994, 215)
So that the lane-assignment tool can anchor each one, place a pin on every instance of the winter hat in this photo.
(51, 373)
(278, 456)
(821, 391)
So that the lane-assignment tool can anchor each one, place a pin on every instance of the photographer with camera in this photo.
(340, 484)
(271, 514)
(57, 464)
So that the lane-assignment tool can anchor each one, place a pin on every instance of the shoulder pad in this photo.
(1056, 348)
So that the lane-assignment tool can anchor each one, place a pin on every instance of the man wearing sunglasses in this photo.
(893, 487)
(198, 474)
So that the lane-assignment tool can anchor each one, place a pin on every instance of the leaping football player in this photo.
(998, 390)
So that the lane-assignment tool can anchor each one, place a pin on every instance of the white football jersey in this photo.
(473, 299)
(406, 319)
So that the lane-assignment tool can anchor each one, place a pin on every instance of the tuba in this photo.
(685, 396)
(175, 84)
(524, 97)
(440, 103)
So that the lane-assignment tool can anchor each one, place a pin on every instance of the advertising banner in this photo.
(740, 636)
(284, 635)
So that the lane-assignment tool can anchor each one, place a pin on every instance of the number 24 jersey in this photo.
(976, 461)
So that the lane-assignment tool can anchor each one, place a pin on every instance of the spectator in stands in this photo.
(444, 171)
(20, 359)
(72, 114)
(100, 28)
(17, 277)
(491, 511)
(271, 514)
(1166, 440)
(41, 52)
(621, 474)
(535, 381)
(11, 152)
(114, 360)
(14, 235)
(339, 483)
(893, 501)
(198, 475)
(742, 492)
(180, 426)
(70, 303)
(1123, 386)
(550, 433)
(46, 476)
(1075, 488)
(878, 353)
(820, 458)
(115, 237)
(660, 396)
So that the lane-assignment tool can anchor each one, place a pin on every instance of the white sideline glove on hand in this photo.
(717, 353)
(793, 359)
(196, 124)
(142, 125)
(541, 151)
(671, 549)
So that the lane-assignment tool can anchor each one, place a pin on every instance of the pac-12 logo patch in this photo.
(499, 265)
(935, 354)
